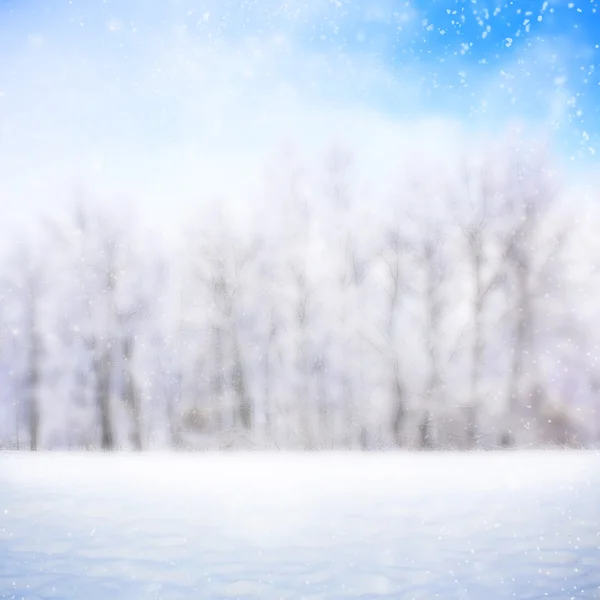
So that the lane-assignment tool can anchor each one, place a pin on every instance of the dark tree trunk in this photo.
(131, 395)
(103, 388)
(399, 412)
(33, 374)
(425, 437)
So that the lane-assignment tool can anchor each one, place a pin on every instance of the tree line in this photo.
(440, 311)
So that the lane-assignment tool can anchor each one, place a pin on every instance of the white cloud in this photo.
(183, 118)
(172, 114)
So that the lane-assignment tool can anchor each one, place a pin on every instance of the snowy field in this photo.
(495, 526)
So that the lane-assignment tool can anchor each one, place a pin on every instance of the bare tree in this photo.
(95, 248)
(24, 315)
(394, 255)
(529, 201)
(219, 262)
(430, 258)
(272, 328)
(105, 340)
(486, 272)
(338, 164)
(131, 391)
(300, 222)
(34, 355)
(32, 294)
(352, 266)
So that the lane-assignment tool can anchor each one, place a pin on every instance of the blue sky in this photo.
(181, 93)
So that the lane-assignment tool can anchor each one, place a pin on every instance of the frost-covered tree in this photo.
(331, 316)
(477, 204)
(432, 262)
(533, 240)
(29, 296)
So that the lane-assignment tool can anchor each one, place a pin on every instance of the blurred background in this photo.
(299, 225)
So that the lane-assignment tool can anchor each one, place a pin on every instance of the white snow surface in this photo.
(495, 526)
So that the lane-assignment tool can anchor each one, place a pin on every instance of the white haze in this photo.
(169, 109)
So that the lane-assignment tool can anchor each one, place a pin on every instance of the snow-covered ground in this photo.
(329, 526)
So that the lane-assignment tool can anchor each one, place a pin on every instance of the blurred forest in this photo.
(452, 307)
